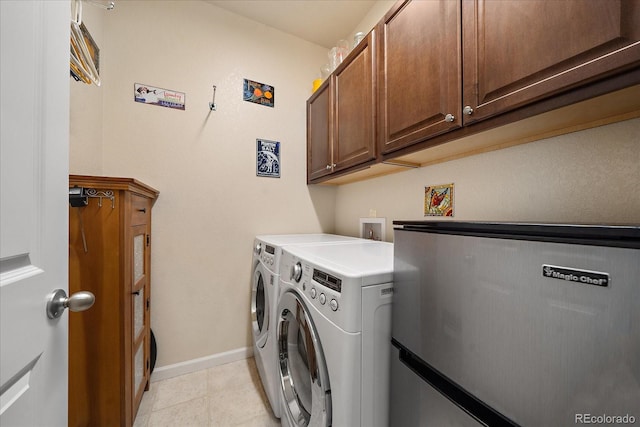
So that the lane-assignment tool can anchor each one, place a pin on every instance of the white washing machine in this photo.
(334, 334)
(264, 301)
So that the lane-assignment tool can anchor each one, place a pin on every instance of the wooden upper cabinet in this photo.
(419, 72)
(518, 52)
(354, 125)
(319, 129)
(341, 116)
(438, 71)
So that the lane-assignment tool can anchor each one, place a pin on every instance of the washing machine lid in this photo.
(289, 239)
(260, 305)
(370, 261)
(304, 377)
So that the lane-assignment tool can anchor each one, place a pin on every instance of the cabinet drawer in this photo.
(140, 210)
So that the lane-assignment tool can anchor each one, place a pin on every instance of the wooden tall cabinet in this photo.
(109, 344)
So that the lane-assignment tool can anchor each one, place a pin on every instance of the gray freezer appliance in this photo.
(515, 324)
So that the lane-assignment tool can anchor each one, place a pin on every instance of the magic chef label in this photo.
(574, 275)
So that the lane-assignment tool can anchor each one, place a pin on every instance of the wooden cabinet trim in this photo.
(114, 183)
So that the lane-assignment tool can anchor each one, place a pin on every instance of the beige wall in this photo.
(211, 203)
(85, 110)
(591, 176)
(374, 15)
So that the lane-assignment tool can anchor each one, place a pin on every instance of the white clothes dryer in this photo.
(334, 334)
(264, 301)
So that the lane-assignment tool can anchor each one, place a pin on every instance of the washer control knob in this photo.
(296, 272)
(257, 249)
(333, 304)
(313, 293)
(323, 299)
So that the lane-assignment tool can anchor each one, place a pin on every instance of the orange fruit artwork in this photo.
(268, 95)
(257, 92)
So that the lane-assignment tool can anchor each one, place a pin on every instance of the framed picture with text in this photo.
(267, 158)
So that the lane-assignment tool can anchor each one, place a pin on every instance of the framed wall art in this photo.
(258, 93)
(157, 96)
(267, 158)
(438, 200)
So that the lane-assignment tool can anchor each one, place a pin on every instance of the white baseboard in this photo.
(170, 371)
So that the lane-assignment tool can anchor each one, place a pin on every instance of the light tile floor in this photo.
(228, 395)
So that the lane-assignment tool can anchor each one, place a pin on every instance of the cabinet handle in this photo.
(334, 165)
(449, 118)
(467, 110)
(328, 167)
(136, 292)
(143, 210)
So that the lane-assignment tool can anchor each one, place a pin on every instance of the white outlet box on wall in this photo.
(373, 228)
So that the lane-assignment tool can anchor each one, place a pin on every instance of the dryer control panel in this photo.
(324, 291)
(268, 256)
(328, 293)
(327, 280)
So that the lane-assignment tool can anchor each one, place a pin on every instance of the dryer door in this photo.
(260, 305)
(303, 371)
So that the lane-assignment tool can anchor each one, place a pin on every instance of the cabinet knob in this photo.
(58, 301)
(449, 118)
(328, 167)
(467, 110)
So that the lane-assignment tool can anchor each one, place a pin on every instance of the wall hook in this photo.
(108, 5)
(212, 104)
(108, 194)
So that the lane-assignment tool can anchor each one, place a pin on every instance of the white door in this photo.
(34, 129)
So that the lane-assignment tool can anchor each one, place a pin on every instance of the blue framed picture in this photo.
(267, 158)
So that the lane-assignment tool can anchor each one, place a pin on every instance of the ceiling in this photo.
(322, 22)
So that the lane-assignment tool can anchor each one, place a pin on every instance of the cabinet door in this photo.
(354, 133)
(140, 315)
(96, 335)
(319, 130)
(419, 72)
(517, 52)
